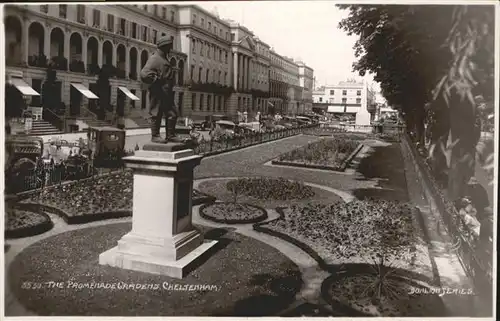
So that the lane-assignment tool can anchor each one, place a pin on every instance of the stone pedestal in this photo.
(162, 239)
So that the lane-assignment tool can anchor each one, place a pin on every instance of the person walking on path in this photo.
(158, 77)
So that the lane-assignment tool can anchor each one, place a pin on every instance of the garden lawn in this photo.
(249, 278)
(218, 188)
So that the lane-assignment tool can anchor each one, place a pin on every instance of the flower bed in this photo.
(330, 153)
(267, 192)
(377, 235)
(356, 292)
(233, 213)
(335, 231)
(23, 223)
(103, 197)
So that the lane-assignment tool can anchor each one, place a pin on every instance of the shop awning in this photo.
(85, 91)
(128, 93)
(23, 87)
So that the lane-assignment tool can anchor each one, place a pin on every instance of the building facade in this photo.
(221, 66)
(348, 97)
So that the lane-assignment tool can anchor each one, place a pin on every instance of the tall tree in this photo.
(440, 56)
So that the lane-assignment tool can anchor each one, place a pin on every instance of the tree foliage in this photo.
(433, 63)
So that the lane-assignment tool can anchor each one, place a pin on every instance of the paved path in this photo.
(377, 172)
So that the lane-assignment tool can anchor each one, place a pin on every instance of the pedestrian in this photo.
(158, 77)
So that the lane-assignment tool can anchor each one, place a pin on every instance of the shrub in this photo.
(269, 189)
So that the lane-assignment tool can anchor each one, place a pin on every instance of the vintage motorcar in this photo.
(107, 146)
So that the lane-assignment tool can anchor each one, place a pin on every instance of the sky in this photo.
(306, 30)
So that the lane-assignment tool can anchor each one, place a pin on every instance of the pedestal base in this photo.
(155, 264)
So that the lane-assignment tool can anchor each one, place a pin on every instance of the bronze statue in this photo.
(158, 77)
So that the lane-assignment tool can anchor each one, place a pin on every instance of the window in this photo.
(209, 102)
(44, 8)
(192, 72)
(172, 16)
(96, 16)
(227, 35)
(358, 100)
(201, 101)
(201, 48)
(134, 30)
(332, 92)
(233, 36)
(344, 92)
(193, 44)
(123, 26)
(111, 23)
(164, 13)
(144, 33)
(209, 26)
(320, 99)
(358, 93)
(193, 101)
(80, 13)
(155, 36)
(207, 74)
(208, 51)
(220, 33)
(220, 55)
(344, 100)
(63, 9)
(194, 19)
(199, 74)
(220, 77)
(155, 9)
(225, 78)
(202, 22)
(226, 57)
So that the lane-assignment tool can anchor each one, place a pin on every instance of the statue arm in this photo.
(150, 72)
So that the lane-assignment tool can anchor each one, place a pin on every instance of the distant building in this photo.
(221, 66)
(345, 98)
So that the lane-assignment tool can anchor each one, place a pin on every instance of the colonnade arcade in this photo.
(36, 44)
(241, 70)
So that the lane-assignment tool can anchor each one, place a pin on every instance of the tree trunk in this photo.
(462, 144)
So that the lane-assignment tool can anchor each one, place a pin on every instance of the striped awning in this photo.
(85, 91)
(128, 93)
(23, 87)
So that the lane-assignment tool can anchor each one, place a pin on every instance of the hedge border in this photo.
(100, 216)
(257, 219)
(340, 168)
(27, 231)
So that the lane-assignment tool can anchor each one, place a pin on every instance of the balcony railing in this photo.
(38, 61)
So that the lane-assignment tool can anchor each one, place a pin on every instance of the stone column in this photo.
(115, 56)
(84, 53)
(99, 53)
(138, 66)
(46, 44)
(162, 240)
(25, 42)
(127, 62)
(235, 71)
(249, 61)
(67, 51)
